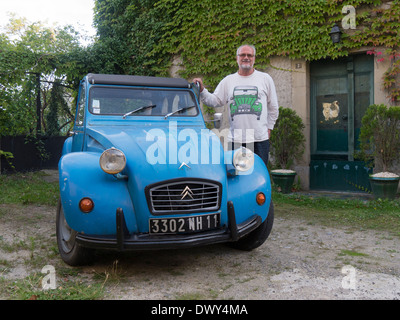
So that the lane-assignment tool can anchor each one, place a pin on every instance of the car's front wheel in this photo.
(71, 252)
(258, 236)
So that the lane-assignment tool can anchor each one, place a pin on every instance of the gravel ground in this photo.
(299, 261)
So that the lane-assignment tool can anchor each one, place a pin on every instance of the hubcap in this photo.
(67, 234)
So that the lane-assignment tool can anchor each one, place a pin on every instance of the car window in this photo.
(139, 101)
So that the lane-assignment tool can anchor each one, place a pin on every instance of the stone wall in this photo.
(281, 72)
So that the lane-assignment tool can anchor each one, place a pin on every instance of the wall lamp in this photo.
(335, 34)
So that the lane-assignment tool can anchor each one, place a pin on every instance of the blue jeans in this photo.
(260, 148)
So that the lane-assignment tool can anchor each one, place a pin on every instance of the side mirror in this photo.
(217, 120)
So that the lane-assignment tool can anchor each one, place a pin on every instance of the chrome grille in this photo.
(184, 196)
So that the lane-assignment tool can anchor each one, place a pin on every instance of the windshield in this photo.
(130, 102)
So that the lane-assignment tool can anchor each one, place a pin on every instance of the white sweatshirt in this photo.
(252, 102)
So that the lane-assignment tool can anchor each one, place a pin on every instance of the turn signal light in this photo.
(260, 198)
(86, 205)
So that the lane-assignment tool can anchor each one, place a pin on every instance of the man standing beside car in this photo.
(247, 124)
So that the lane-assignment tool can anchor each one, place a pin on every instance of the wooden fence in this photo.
(31, 153)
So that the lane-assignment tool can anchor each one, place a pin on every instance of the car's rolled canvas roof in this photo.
(137, 80)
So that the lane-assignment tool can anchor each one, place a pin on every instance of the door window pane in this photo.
(331, 115)
(362, 99)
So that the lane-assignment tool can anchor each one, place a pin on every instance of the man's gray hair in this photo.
(246, 45)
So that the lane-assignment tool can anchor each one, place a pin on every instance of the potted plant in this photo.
(287, 145)
(380, 142)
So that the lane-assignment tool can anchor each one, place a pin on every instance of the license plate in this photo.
(184, 224)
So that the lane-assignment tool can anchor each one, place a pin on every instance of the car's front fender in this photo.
(67, 147)
(80, 176)
(243, 190)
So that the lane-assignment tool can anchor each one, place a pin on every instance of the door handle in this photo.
(344, 117)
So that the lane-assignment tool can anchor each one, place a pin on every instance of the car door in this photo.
(78, 133)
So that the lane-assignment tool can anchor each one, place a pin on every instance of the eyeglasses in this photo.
(242, 55)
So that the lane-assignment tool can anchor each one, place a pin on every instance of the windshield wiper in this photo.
(138, 109)
(179, 110)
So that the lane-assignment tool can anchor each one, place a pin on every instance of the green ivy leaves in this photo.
(144, 36)
(206, 34)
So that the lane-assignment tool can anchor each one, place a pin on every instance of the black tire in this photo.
(70, 251)
(257, 237)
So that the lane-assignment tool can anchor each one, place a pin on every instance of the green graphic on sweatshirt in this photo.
(246, 101)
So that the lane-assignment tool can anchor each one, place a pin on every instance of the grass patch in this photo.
(28, 188)
(30, 288)
(191, 296)
(352, 253)
(373, 214)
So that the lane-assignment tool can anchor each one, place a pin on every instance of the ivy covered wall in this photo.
(205, 34)
(146, 36)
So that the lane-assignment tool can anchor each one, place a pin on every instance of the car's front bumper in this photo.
(125, 241)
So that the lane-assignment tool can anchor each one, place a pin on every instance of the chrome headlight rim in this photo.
(243, 159)
(112, 161)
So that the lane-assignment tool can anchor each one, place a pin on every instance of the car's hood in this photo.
(163, 153)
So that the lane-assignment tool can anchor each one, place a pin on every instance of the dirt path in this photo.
(298, 261)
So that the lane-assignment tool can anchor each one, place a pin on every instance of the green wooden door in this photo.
(341, 91)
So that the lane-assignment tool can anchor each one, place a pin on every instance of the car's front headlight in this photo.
(243, 159)
(112, 161)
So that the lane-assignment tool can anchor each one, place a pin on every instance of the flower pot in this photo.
(384, 188)
(283, 179)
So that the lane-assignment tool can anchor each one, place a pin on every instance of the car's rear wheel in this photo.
(71, 252)
(258, 236)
